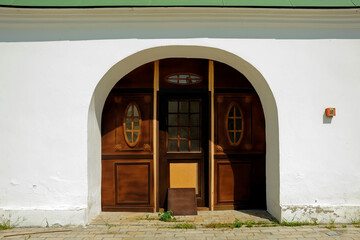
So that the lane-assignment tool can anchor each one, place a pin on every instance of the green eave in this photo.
(183, 3)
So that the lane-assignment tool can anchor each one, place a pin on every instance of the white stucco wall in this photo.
(54, 78)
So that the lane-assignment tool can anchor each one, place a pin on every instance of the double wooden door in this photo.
(134, 167)
(183, 145)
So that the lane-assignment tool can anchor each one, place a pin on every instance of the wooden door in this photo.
(127, 153)
(183, 144)
(239, 151)
(127, 144)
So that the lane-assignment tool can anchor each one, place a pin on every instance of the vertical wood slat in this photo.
(155, 135)
(212, 134)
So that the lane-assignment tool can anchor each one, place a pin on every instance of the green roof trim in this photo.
(183, 3)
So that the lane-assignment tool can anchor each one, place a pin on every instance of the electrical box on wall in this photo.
(330, 112)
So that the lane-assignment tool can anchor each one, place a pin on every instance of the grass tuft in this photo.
(185, 225)
(296, 223)
(250, 223)
(27, 237)
(7, 223)
(331, 224)
(167, 216)
(235, 224)
(355, 221)
(238, 224)
(147, 217)
(218, 225)
(107, 224)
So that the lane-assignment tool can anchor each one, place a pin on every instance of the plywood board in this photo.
(182, 201)
(184, 175)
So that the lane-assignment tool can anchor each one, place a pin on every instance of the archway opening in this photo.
(232, 135)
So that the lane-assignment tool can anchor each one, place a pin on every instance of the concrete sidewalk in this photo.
(146, 226)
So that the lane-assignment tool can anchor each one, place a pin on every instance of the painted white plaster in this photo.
(52, 93)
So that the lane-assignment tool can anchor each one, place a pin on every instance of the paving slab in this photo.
(134, 226)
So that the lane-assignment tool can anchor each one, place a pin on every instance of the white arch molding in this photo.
(130, 63)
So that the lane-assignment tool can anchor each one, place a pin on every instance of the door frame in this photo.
(164, 94)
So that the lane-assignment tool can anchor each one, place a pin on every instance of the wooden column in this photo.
(212, 133)
(156, 135)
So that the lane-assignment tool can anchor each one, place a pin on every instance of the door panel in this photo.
(233, 181)
(132, 183)
(239, 151)
(183, 145)
(127, 153)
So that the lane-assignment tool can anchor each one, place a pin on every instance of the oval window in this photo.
(183, 78)
(132, 124)
(234, 124)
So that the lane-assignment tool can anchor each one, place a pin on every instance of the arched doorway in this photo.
(180, 123)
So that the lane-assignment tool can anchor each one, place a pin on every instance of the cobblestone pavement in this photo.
(146, 226)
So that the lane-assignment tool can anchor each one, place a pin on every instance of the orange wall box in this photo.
(330, 112)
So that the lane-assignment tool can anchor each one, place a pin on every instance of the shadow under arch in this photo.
(129, 63)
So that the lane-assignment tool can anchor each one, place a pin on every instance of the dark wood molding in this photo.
(245, 155)
(233, 90)
(126, 156)
(175, 92)
(131, 90)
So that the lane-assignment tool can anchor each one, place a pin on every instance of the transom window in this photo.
(132, 124)
(234, 124)
(183, 125)
(183, 78)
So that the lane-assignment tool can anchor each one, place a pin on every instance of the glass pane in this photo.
(128, 136)
(194, 107)
(195, 133)
(173, 107)
(184, 76)
(230, 124)
(195, 145)
(184, 145)
(136, 112)
(128, 124)
(129, 112)
(172, 132)
(238, 124)
(231, 134)
(173, 119)
(237, 136)
(237, 111)
(172, 146)
(136, 134)
(195, 119)
(184, 119)
(184, 132)
(184, 106)
(136, 123)
(231, 113)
